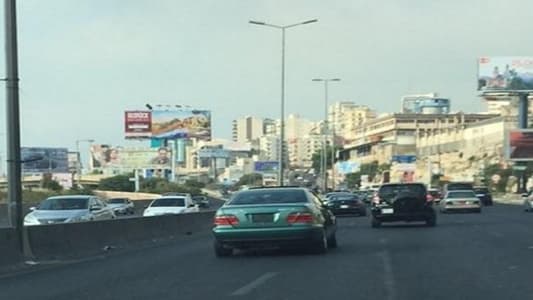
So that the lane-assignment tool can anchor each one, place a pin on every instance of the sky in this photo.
(82, 63)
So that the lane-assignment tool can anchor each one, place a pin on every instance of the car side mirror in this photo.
(95, 207)
(191, 205)
(33, 208)
(524, 195)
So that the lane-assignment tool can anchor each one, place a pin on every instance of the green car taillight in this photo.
(300, 218)
(226, 220)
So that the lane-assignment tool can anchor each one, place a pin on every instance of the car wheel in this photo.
(363, 213)
(221, 251)
(332, 241)
(376, 223)
(321, 247)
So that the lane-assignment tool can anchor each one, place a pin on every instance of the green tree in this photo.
(353, 180)
(250, 179)
(194, 183)
(317, 158)
(120, 183)
(161, 186)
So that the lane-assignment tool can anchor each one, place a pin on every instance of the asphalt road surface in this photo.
(467, 256)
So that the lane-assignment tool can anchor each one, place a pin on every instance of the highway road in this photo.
(467, 256)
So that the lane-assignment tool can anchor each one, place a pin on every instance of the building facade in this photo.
(345, 117)
(247, 129)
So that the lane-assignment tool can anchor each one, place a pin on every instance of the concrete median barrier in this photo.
(9, 247)
(80, 239)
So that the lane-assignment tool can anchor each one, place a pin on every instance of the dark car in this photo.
(346, 204)
(458, 186)
(201, 201)
(364, 196)
(484, 195)
(402, 202)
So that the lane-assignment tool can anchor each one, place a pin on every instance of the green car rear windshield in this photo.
(269, 197)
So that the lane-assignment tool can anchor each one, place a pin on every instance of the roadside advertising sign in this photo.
(137, 124)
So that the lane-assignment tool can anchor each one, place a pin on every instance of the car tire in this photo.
(363, 213)
(375, 223)
(332, 241)
(221, 251)
(321, 247)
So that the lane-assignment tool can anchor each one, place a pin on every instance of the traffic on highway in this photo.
(266, 149)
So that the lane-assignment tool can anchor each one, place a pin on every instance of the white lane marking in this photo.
(254, 284)
(388, 279)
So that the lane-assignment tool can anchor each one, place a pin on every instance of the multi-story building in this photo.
(247, 129)
(269, 147)
(461, 152)
(397, 134)
(345, 117)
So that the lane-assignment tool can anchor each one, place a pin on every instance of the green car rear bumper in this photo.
(268, 237)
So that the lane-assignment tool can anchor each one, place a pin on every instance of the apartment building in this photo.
(345, 117)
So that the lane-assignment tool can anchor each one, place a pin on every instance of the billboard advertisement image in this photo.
(107, 157)
(137, 124)
(266, 166)
(44, 160)
(505, 73)
(520, 145)
(173, 124)
(347, 167)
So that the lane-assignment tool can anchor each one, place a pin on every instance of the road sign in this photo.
(519, 168)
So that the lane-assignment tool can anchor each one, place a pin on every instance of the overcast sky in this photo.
(83, 62)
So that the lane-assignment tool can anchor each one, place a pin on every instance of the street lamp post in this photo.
(324, 161)
(282, 121)
(78, 163)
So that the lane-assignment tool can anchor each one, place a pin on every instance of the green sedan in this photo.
(274, 217)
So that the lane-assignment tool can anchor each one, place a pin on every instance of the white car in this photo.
(68, 209)
(460, 200)
(170, 205)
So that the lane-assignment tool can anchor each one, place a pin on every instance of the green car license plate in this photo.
(263, 218)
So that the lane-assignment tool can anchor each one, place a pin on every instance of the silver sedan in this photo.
(460, 201)
(68, 209)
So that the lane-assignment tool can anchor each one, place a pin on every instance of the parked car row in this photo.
(84, 208)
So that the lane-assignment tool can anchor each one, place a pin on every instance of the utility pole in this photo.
(14, 184)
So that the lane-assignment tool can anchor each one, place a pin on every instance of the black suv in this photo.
(402, 202)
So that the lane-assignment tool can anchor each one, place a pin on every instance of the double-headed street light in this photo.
(282, 121)
(324, 162)
(78, 163)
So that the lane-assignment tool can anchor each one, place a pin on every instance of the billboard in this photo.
(44, 160)
(403, 172)
(266, 166)
(173, 124)
(107, 157)
(347, 167)
(519, 145)
(404, 159)
(138, 124)
(505, 73)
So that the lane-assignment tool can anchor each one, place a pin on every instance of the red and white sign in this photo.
(138, 124)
